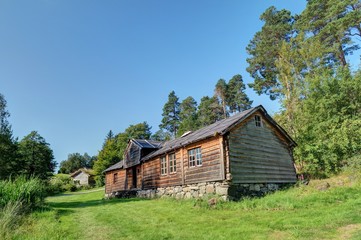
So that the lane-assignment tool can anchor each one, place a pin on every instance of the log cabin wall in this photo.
(212, 161)
(211, 169)
(259, 154)
(115, 183)
(152, 176)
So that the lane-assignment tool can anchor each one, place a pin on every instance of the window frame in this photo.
(258, 121)
(195, 157)
(163, 165)
(115, 177)
(172, 163)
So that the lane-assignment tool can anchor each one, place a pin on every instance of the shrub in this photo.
(61, 183)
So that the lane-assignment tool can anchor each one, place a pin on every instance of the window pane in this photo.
(199, 156)
(163, 165)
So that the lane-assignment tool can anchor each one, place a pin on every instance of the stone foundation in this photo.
(122, 194)
(197, 190)
(237, 191)
(200, 190)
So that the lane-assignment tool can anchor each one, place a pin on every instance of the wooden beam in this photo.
(222, 157)
(182, 165)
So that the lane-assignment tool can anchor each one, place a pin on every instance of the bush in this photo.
(29, 192)
(61, 183)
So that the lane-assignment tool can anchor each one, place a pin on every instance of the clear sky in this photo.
(74, 69)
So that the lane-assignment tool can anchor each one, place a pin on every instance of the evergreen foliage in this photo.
(308, 72)
(221, 92)
(188, 116)
(9, 160)
(113, 148)
(263, 50)
(171, 118)
(237, 99)
(209, 111)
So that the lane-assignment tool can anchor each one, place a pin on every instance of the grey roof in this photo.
(116, 166)
(221, 127)
(143, 143)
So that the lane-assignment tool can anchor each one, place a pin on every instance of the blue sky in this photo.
(73, 70)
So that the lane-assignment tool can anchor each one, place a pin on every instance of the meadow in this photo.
(324, 209)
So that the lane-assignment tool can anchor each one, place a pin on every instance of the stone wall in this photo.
(199, 190)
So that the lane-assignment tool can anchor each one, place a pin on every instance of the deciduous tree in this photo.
(37, 156)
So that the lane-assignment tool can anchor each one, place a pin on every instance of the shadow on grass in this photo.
(92, 203)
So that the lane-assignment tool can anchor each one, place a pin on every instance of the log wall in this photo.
(110, 185)
(259, 154)
(210, 170)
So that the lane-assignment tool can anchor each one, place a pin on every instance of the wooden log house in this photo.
(245, 154)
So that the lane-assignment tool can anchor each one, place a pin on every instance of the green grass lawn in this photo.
(298, 213)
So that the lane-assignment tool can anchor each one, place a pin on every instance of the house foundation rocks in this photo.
(199, 190)
(122, 194)
(237, 191)
(189, 191)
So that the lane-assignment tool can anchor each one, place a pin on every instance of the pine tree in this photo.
(9, 159)
(264, 47)
(188, 116)
(171, 119)
(220, 92)
(334, 23)
(209, 111)
(237, 99)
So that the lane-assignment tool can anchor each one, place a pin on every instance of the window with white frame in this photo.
(258, 120)
(195, 157)
(172, 163)
(198, 156)
(163, 165)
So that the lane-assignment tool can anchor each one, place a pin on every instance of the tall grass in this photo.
(30, 192)
(17, 197)
(10, 215)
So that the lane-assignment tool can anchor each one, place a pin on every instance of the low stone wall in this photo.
(199, 190)
(188, 191)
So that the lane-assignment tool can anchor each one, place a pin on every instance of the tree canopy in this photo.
(171, 119)
(37, 156)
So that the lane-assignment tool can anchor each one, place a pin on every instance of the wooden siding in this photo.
(119, 185)
(210, 170)
(259, 154)
(211, 167)
(132, 156)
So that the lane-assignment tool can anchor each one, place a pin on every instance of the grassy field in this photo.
(306, 212)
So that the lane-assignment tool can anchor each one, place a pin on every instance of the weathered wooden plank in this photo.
(264, 151)
(259, 154)
(241, 166)
(260, 160)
